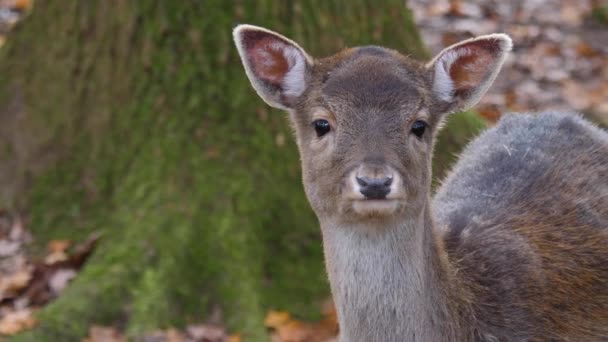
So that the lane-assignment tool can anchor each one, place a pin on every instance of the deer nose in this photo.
(375, 188)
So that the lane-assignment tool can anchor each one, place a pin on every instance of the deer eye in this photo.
(418, 128)
(322, 127)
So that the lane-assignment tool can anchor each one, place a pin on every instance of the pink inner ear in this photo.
(268, 60)
(475, 62)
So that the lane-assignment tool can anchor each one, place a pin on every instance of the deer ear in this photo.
(276, 66)
(462, 73)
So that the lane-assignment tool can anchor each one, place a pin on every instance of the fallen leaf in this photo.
(55, 257)
(22, 5)
(104, 334)
(60, 280)
(489, 112)
(173, 335)
(8, 248)
(170, 335)
(56, 246)
(275, 319)
(585, 50)
(577, 96)
(294, 331)
(17, 321)
(212, 152)
(234, 338)
(455, 8)
(18, 232)
(10, 285)
(206, 332)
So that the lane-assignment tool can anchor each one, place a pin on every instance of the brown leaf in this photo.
(17, 321)
(104, 334)
(576, 95)
(12, 284)
(18, 232)
(511, 100)
(206, 332)
(55, 257)
(573, 13)
(212, 152)
(234, 338)
(39, 290)
(21, 5)
(585, 50)
(295, 331)
(83, 251)
(456, 8)
(449, 38)
(489, 112)
(173, 335)
(57, 246)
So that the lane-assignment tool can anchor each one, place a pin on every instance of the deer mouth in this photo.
(376, 207)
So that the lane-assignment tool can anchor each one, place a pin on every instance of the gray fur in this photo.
(504, 166)
(530, 169)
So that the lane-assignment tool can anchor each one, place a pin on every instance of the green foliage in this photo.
(459, 129)
(600, 14)
(158, 141)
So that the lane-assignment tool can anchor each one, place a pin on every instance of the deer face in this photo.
(365, 118)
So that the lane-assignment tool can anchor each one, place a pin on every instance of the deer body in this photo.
(514, 245)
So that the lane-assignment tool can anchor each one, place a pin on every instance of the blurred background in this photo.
(148, 194)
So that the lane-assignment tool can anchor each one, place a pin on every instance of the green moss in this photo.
(600, 14)
(160, 143)
(458, 130)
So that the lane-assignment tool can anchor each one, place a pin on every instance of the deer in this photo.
(512, 246)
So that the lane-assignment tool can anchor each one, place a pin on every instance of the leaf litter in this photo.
(26, 284)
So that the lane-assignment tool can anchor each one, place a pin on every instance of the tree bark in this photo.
(137, 120)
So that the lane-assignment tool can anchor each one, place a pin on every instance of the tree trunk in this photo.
(135, 118)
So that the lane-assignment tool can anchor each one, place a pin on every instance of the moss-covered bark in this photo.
(151, 134)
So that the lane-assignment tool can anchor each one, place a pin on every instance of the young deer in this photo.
(513, 247)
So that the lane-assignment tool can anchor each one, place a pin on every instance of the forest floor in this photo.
(560, 55)
(559, 62)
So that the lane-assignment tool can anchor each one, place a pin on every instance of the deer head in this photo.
(365, 118)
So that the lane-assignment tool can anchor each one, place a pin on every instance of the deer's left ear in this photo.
(462, 73)
(276, 66)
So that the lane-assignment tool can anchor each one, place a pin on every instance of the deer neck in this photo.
(391, 281)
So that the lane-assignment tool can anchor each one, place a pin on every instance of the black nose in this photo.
(375, 188)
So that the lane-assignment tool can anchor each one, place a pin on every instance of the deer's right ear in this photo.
(277, 67)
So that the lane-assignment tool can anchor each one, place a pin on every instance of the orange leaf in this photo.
(55, 246)
(234, 338)
(275, 319)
